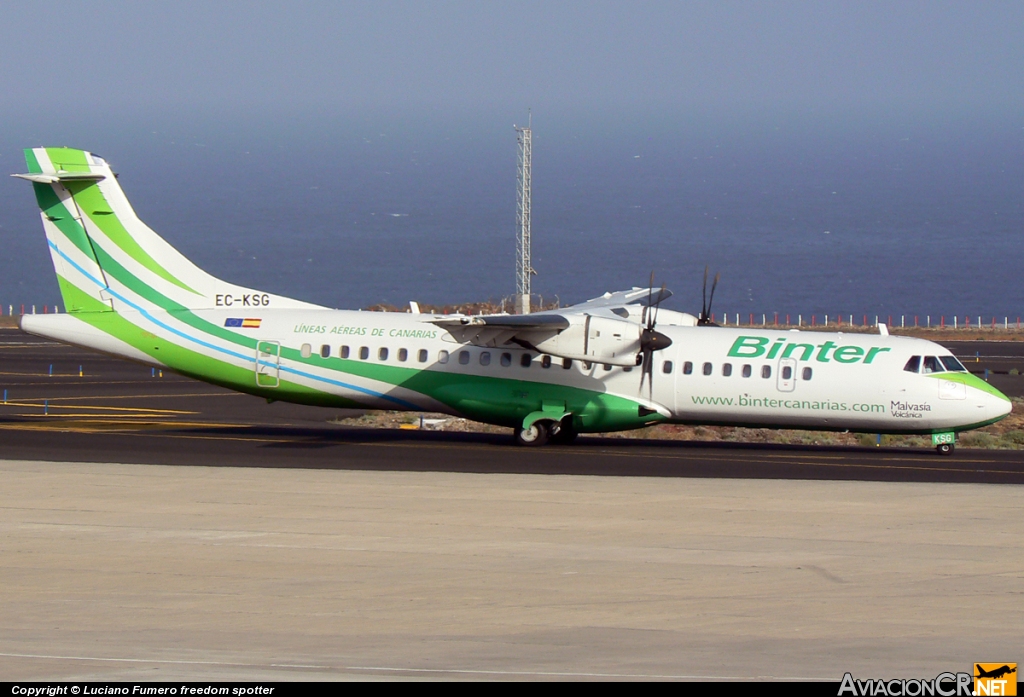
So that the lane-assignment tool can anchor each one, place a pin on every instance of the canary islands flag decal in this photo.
(247, 323)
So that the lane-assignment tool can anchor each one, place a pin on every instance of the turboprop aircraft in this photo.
(612, 363)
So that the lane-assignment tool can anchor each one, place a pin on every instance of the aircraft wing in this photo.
(623, 297)
(601, 330)
(496, 330)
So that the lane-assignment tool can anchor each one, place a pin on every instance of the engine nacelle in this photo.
(597, 340)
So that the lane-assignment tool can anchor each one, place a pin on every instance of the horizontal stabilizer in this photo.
(58, 177)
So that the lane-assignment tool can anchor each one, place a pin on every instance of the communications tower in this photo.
(523, 267)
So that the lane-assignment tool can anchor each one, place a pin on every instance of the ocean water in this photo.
(860, 220)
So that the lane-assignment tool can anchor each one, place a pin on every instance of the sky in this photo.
(259, 61)
(380, 103)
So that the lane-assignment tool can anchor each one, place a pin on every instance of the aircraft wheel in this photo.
(563, 433)
(945, 449)
(535, 435)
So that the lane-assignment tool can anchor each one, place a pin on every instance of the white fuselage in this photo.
(835, 381)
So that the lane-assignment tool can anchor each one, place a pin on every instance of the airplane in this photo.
(995, 673)
(613, 363)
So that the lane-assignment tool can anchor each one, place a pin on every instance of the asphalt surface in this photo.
(244, 541)
(65, 404)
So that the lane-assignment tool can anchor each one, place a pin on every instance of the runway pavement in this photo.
(159, 528)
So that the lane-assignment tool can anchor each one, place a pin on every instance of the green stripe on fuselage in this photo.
(499, 401)
(194, 364)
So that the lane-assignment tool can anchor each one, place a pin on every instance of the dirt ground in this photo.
(1007, 434)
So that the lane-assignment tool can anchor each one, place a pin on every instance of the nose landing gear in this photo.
(943, 442)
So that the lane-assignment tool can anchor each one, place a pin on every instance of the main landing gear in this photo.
(536, 435)
(944, 449)
(541, 432)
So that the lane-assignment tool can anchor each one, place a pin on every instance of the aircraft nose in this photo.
(996, 404)
(1003, 406)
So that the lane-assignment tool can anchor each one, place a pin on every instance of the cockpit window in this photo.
(913, 365)
(931, 365)
(952, 364)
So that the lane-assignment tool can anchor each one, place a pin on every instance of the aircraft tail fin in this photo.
(105, 257)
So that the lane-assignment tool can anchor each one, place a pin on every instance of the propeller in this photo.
(704, 320)
(651, 340)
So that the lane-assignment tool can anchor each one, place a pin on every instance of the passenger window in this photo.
(707, 369)
(787, 372)
(726, 369)
(325, 351)
(526, 360)
(747, 371)
(463, 357)
(403, 355)
(485, 358)
(364, 353)
(808, 374)
(666, 367)
(545, 362)
(913, 365)
(566, 363)
(688, 368)
(423, 356)
(344, 352)
(382, 353)
(442, 356)
(306, 351)
(953, 364)
(506, 360)
(766, 371)
(931, 365)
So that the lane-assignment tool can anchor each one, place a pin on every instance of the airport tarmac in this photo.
(159, 528)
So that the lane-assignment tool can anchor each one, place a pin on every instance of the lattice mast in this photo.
(524, 269)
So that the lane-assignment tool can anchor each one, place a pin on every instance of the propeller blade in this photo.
(657, 304)
(711, 299)
(704, 319)
(642, 359)
(647, 310)
(648, 369)
(704, 295)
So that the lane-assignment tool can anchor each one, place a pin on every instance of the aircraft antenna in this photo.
(524, 268)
